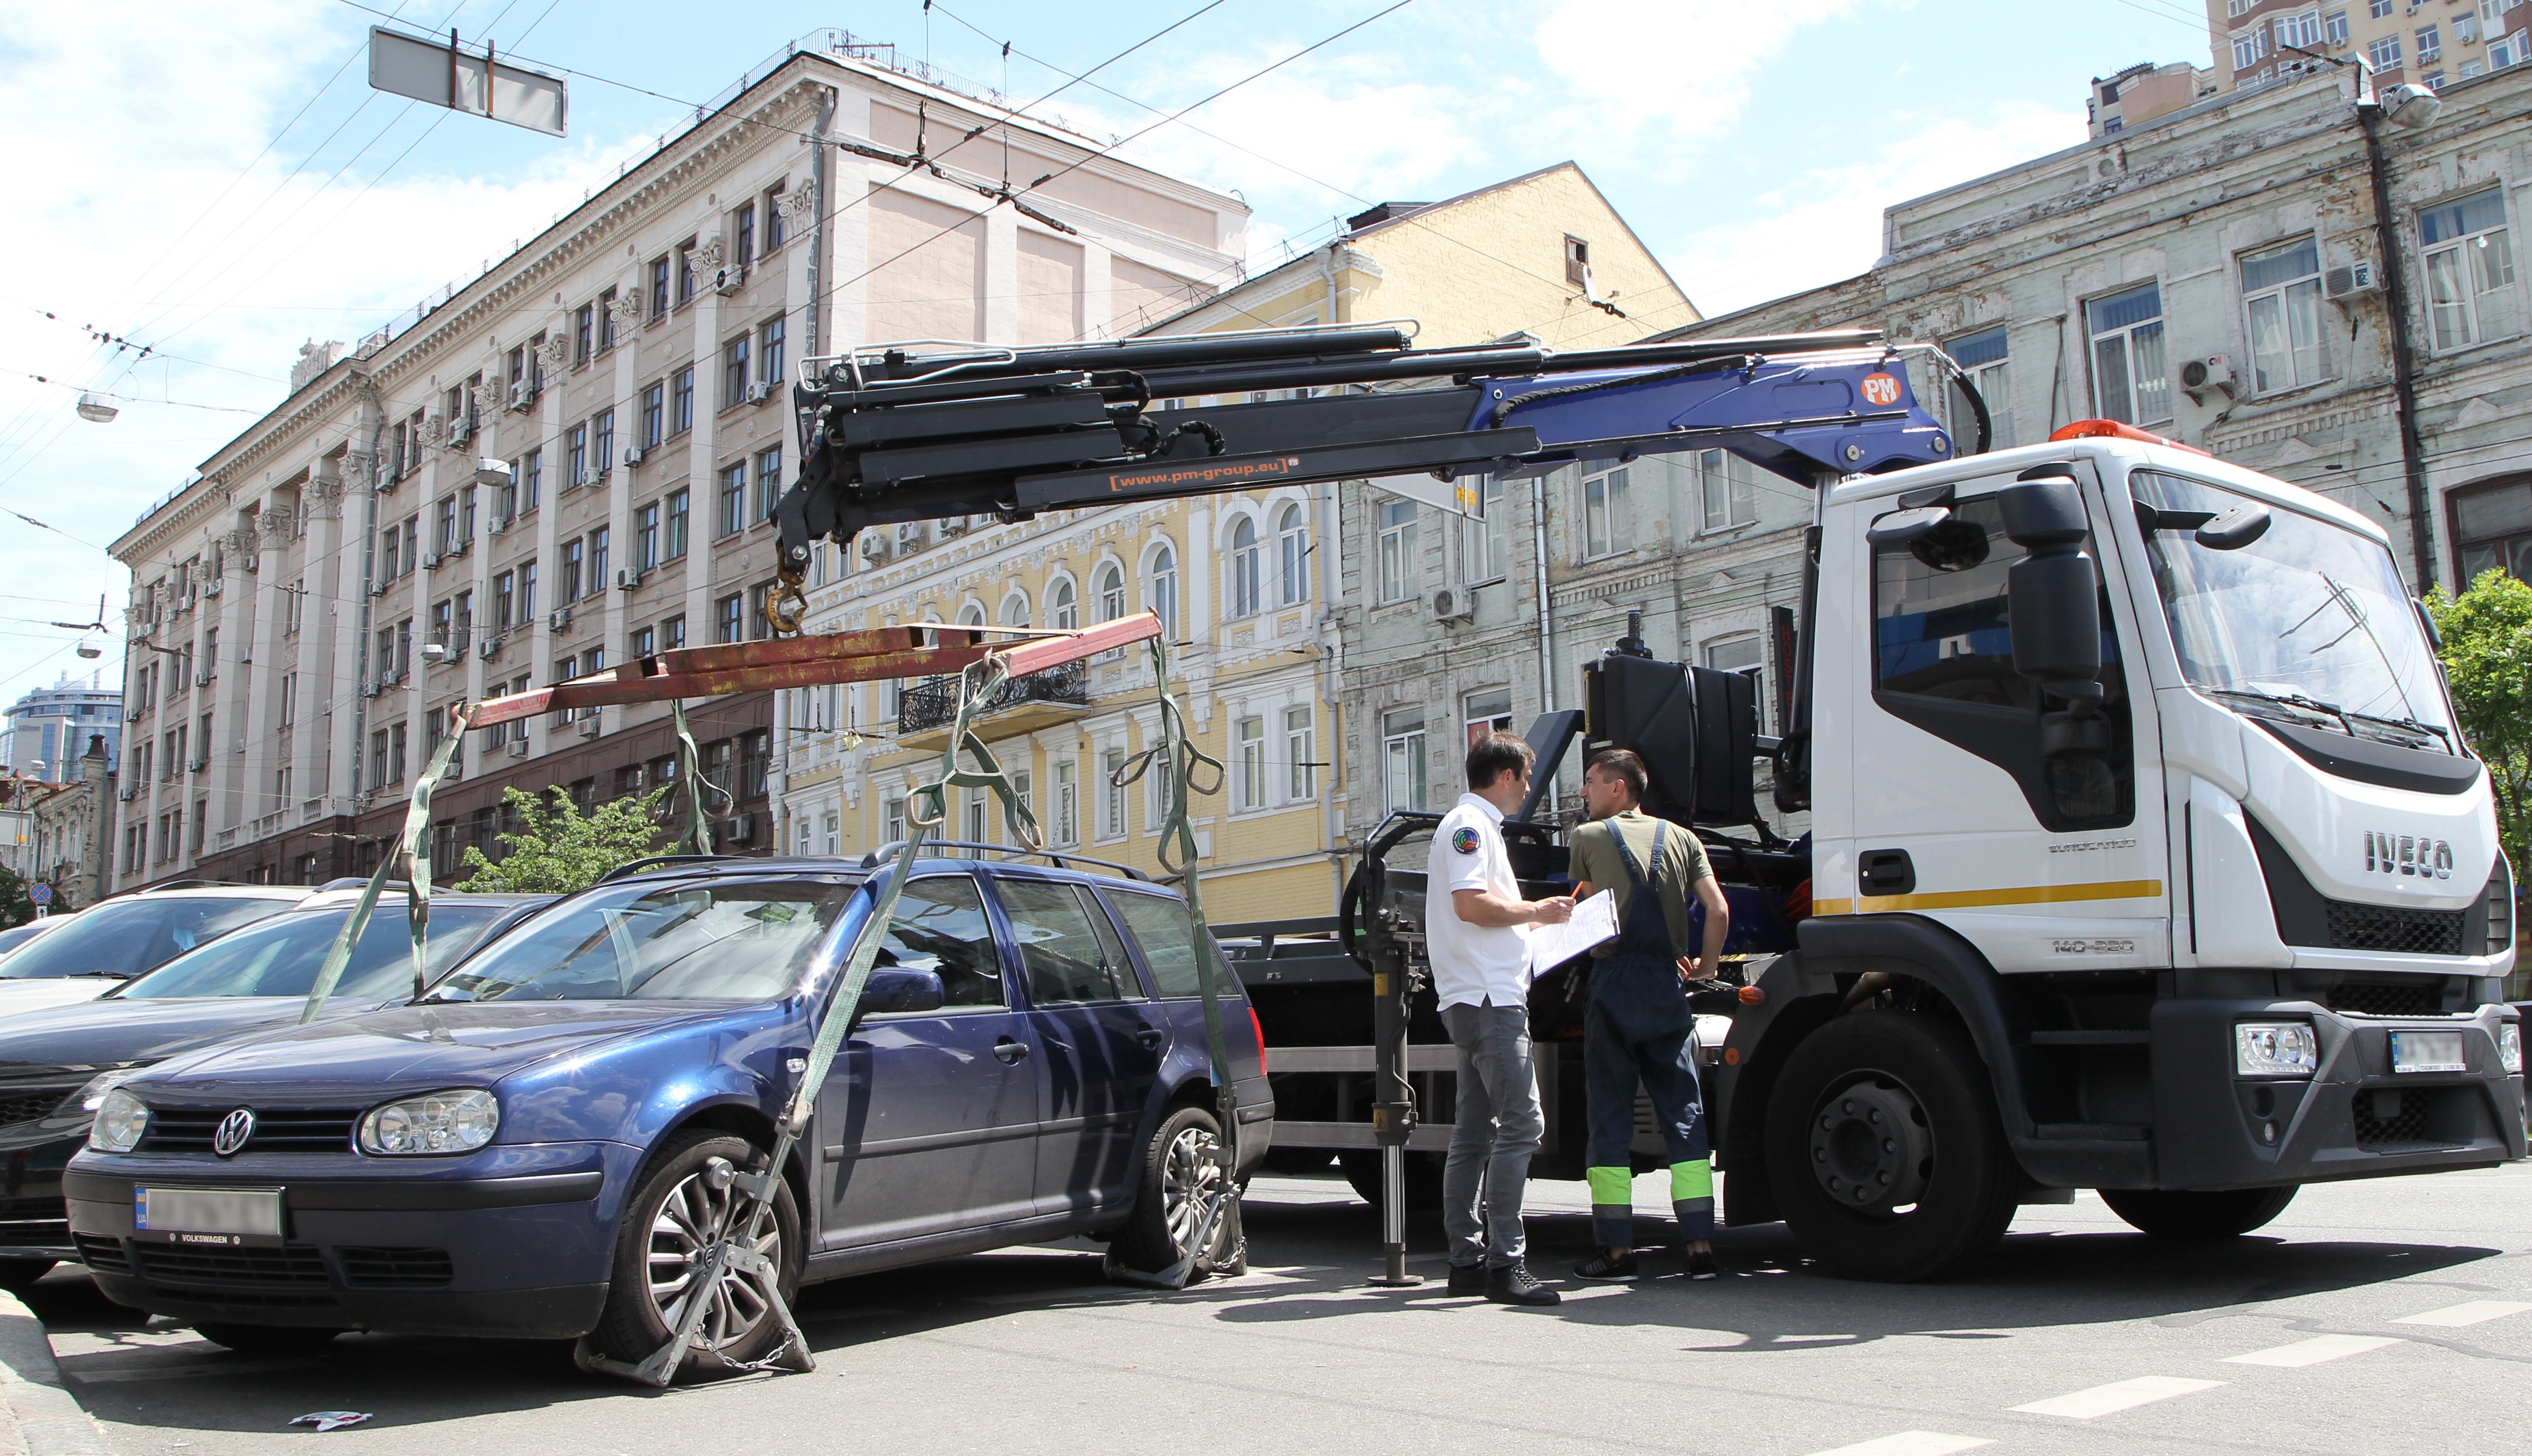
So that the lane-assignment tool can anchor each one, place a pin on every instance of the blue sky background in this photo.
(218, 182)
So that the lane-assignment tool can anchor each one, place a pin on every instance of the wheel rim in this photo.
(1188, 1177)
(681, 1235)
(1872, 1149)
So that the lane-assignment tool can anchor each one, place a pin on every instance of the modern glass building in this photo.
(50, 728)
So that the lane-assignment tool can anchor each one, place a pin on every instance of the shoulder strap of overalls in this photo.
(1635, 875)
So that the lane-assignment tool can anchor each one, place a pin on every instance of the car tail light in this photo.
(1258, 1028)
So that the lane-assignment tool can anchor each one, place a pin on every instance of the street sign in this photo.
(40, 893)
(476, 85)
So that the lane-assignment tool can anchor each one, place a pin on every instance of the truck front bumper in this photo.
(2354, 1116)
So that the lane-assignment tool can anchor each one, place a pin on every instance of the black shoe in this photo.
(1511, 1285)
(1605, 1269)
(1700, 1265)
(1467, 1279)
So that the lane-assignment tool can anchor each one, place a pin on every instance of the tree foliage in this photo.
(2488, 654)
(16, 906)
(558, 851)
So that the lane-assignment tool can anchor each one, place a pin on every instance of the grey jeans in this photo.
(1499, 1127)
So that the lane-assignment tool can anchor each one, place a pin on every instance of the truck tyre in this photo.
(2177, 1215)
(1170, 1199)
(266, 1339)
(1884, 1149)
(1423, 1170)
(666, 1232)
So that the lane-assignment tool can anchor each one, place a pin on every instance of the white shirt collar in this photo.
(1484, 805)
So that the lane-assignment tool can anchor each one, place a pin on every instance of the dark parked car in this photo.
(118, 939)
(530, 1150)
(57, 1064)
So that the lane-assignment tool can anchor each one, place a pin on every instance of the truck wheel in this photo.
(1423, 1170)
(1884, 1149)
(1177, 1181)
(2198, 1215)
(266, 1339)
(668, 1226)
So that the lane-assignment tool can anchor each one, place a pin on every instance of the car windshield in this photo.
(18, 935)
(715, 940)
(123, 938)
(2309, 623)
(282, 955)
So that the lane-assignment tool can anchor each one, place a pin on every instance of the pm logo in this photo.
(1882, 389)
(234, 1131)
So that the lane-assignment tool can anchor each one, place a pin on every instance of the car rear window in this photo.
(709, 940)
(125, 937)
(1167, 934)
(282, 955)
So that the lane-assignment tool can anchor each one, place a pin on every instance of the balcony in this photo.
(1019, 706)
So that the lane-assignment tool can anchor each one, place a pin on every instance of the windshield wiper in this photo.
(2410, 723)
(2288, 700)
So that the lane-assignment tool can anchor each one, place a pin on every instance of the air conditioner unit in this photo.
(632, 455)
(1454, 603)
(430, 561)
(211, 588)
(245, 657)
(378, 588)
(132, 715)
(2201, 376)
(196, 764)
(499, 525)
(626, 581)
(558, 618)
(911, 536)
(518, 747)
(756, 393)
(875, 546)
(370, 689)
(128, 794)
(2354, 280)
(742, 830)
(460, 432)
(953, 525)
(519, 396)
(728, 279)
(488, 649)
(589, 727)
(201, 679)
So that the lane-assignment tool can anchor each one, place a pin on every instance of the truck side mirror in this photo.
(2052, 592)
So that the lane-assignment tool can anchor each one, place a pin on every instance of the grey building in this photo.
(50, 728)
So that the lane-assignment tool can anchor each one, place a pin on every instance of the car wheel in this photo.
(1178, 1183)
(1424, 1176)
(1884, 1149)
(667, 1227)
(2198, 1215)
(17, 1275)
(266, 1339)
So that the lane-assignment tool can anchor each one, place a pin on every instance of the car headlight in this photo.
(456, 1121)
(121, 1119)
(84, 1103)
(2509, 1047)
(2275, 1049)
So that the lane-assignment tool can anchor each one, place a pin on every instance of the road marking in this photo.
(2476, 1311)
(2118, 1395)
(1911, 1443)
(2314, 1351)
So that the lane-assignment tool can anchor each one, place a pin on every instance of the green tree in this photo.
(558, 850)
(2488, 654)
(16, 907)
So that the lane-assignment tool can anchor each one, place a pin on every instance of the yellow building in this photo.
(1254, 600)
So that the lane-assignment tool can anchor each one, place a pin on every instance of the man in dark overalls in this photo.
(1638, 1026)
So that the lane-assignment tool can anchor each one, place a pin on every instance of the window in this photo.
(2470, 270)
(978, 827)
(2493, 527)
(731, 517)
(1488, 710)
(1015, 609)
(603, 428)
(733, 372)
(1609, 516)
(532, 479)
(1062, 613)
(743, 234)
(686, 270)
(1068, 950)
(940, 926)
(1065, 828)
(892, 825)
(758, 629)
(659, 286)
(774, 236)
(1250, 734)
(1160, 592)
(2334, 29)
(1244, 564)
(2298, 29)
(1578, 259)
(655, 414)
(395, 753)
(644, 642)
(681, 400)
(1112, 593)
(768, 482)
(673, 532)
(2383, 53)
(387, 543)
(464, 614)
(2429, 44)
(527, 592)
(1402, 758)
(575, 553)
(1112, 799)
(646, 538)
(1301, 754)
(1397, 564)
(575, 454)
(673, 633)
(1292, 547)
(1985, 357)
(2281, 295)
(466, 503)
(2250, 49)
(583, 334)
(726, 614)
(1171, 947)
(1485, 539)
(769, 351)
(289, 698)
(597, 541)
(2130, 384)
(445, 534)
(606, 321)
(2510, 51)
(1745, 654)
(505, 601)
(2379, 9)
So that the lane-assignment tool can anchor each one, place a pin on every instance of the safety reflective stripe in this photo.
(1611, 1186)
(1693, 1181)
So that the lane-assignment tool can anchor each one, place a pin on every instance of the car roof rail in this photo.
(1061, 859)
(660, 861)
(358, 882)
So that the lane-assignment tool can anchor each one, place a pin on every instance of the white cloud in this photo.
(1826, 224)
(1684, 65)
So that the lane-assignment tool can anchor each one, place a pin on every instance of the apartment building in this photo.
(2143, 92)
(2258, 43)
(571, 461)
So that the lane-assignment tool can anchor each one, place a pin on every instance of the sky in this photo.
(219, 185)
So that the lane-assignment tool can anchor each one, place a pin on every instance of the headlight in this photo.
(2275, 1049)
(2509, 1047)
(121, 1119)
(85, 1102)
(460, 1121)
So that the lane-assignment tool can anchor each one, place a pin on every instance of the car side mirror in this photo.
(2053, 592)
(898, 988)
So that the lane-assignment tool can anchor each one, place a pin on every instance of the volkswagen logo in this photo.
(234, 1131)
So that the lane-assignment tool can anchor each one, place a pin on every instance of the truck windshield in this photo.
(713, 940)
(2310, 623)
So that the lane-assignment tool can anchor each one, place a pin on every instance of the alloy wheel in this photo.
(1188, 1177)
(681, 1233)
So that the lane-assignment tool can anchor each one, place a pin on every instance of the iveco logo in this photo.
(234, 1131)
(2407, 854)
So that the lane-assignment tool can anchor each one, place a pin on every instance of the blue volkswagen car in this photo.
(531, 1149)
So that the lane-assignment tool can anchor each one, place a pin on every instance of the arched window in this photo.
(1112, 593)
(1062, 613)
(1161, 590)
(972, 615)
(1015, 613)
(1243, 568)
(1293, 535)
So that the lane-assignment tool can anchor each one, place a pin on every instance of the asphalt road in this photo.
(2375, 1318)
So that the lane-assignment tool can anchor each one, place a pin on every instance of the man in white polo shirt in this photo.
(1476, 933)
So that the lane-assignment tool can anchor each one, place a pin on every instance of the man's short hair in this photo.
(1490, 756)
(1623, 765)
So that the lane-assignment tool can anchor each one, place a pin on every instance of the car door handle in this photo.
(1150, 1037)
(1011, 1053)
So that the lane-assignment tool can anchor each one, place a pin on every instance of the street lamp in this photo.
(97, 409)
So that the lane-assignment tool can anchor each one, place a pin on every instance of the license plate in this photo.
(222, 1217)
(2427, 1051)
